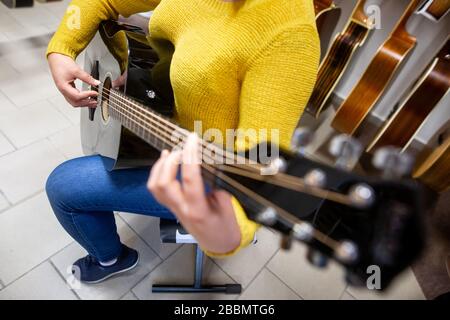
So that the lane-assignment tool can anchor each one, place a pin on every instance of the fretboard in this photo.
(151, 127)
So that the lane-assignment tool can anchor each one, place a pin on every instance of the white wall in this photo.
(430, 37)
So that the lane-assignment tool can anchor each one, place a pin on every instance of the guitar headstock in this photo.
(360, 221)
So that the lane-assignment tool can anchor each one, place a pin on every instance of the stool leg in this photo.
(198, 267)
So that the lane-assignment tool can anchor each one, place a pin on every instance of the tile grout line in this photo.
(131, 292)
(22, 200)
(62, 277)
(282, 281)
(9, 140)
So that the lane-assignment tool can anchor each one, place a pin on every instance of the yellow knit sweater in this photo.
(248, 64)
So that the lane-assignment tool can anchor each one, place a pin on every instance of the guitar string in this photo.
(289, 217)
(283, 180)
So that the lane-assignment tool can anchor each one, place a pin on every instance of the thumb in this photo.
(87, 78)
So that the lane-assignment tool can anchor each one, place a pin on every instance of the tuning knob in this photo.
(347, 151)
(267, 217)
(275, 166)
(317, 258)
(316, 178)
(301, 138)
(361, 195)
(393, 162)
(303, 232)
(347, 252)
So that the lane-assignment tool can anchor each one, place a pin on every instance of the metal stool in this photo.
(172, 232)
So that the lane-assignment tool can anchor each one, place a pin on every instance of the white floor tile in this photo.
(254, 257)
(71, 113)
(68, 142)
(7, 108)
(24, 172)
(29, 234)
(266, 286)
(179, 269)
(308, 281)
(7, 72)
(116, 287)
(29, 88)
(17, 31)
(129, 296)
(148, 229)
(3, 202)
(33, 16)
(33, 123)
(347, 296)
(3, 37)
(42, 283)
(28, 60)
(5, 145)
(405, 287)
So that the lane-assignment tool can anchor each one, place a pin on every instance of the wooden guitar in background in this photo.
(377, 76)
(23, 3)
(338, 58)
(322, 6)
(435, 170)
(408, 118)
(435, 9)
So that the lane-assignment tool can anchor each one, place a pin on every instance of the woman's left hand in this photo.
(210, 218)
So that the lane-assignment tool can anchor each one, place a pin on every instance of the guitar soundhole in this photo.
(106, 99)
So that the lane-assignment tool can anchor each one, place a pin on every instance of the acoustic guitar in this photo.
(435, 9)
(377, 76)
(338, 57)
(358, 221)
(435, 170)
(428, 91)
(322, 6)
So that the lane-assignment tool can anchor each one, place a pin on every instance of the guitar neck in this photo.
(156, 130)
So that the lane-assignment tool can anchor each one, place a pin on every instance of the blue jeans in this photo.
(83, 195)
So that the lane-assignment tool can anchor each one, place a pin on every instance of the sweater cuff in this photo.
(56, 46)
(247, 227)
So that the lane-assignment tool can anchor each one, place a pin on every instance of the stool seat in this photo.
(171, 231)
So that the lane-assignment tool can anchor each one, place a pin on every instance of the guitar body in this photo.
(338, 58)
(322, 6)
(431, 88)
(120, 147)
(377, 77)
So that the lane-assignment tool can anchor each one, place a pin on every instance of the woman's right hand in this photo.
(65, 71)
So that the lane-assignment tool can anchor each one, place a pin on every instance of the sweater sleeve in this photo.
(82, 19)
(275, 90)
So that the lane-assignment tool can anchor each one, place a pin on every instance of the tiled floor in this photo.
(38, 130)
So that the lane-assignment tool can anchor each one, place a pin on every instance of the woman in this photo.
(248, 64)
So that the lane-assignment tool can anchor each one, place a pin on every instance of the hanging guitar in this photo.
(431, 88)
(338, 58)
(355, 220)
(322, 6)
(377, 77)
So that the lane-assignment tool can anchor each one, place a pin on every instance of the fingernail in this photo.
(97, 82)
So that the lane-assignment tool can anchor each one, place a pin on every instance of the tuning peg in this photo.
(267, 217)
(301, 138)
(303, 232)
(393, 162)
(286, 242)
(317, 258)
(361, 195)
(316, 178)
(275, 166)
(347, 252)
(347, 151)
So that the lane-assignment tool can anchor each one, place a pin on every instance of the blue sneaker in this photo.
(89, 270)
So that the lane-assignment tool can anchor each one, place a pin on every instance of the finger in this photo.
(86, 77)
(193, 187)
(155, 171)
(90, 103)
(168, 187)
(120, 81)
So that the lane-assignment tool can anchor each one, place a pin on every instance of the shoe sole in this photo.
(115, 273)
